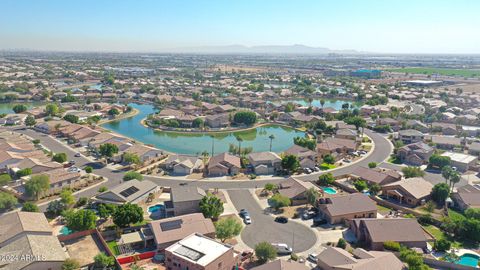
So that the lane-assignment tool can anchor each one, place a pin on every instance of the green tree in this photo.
(372, 165)
(270, 187)
(211, 206)
(290, 163)
(131, 158)
(305, 142)
(360, 185)
(30, 207)
(7, 201)
(55, 207)
(103, 261)
(326, 179)
(473, 213)
(5, 178)
(439, 161)
(108, 150)
(264, 252)
(66, 197)
(447, 173)
(19, 108)
(70, 264)
(375, 188)
(30, 121)
(23, 172)
(127, 214)
(60, 157)
(106, 210)
(113, 112)
(312, 196)
(278, 201)
(245, 117)
(80, 220)
(51, 109)
(198, 123)
(329, 159)
(132, 175)
(37, 185)
(71, 118)
(440, 193)
(442, 245)
(271, 137)
(454, 178)
(410, 172)
(227, 228)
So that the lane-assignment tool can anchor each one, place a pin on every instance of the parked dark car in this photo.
(281, 219)
(317, 221)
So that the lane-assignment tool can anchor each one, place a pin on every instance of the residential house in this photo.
(295, 190)
(467, 196)
(394, 124)
(409, 136)
(474, 148)
(199, 252)
(376, 175)
(281, 265)
(334, 258)
(444, 128)
(264, 162)
(133, 191)
(223, 164)
(335, 147)
(145, 153)
(184, 200)
(415, 154)
(374, 232)
(346, 133)
(415, 124)
(51, 127)
(306, 157)
(339, 209)
(411, 191)
(183, 164)
(462, 162)
(28, 240)
(218, 120)
(165, 232)
(444, 142)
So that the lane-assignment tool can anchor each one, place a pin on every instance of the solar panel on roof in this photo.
(129, 191)
(189, 253)
(171, 225)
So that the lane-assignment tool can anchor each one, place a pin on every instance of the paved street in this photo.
(263, 228)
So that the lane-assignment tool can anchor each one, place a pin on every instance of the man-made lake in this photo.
(333, 103)
(7, 107)
(196, 143)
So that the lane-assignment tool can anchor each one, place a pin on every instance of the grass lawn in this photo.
(383, 209)
(394, 159)
(441, 71)
(112, 245)
(326, 166)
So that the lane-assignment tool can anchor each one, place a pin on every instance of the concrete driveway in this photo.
(263, 228)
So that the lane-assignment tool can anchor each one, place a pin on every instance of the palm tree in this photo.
(322, 102)
(447, 173)
(454, 178)
(240, 140)
(213, 144)
(310, 100)
(271, 137)
(205, 157)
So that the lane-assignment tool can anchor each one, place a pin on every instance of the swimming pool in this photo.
(329, 190)
(156, 208)
(468, 259)
(65, 230)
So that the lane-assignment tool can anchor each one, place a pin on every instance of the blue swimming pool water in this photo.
(469, 260)
(65, 230)
(156, 208)
(329, 190)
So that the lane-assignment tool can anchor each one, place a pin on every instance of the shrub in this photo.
(102, 189)
(294, 257)
(342, 243)
(23, 172)
(30, 207)
(132, 175)
(372, 165)
(88, 169)
(5, 179)
(360, 185)
(425, 219)
(391, 245)
(60, 157)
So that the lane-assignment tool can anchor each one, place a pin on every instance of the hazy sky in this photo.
(397, 26)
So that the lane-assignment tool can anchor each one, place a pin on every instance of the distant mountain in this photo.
(272, 49)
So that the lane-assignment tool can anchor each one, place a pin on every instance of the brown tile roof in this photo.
(394, 229)
(225, 158)
(176, 228)
(348, 204)
(340, 259)
(281, 265)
